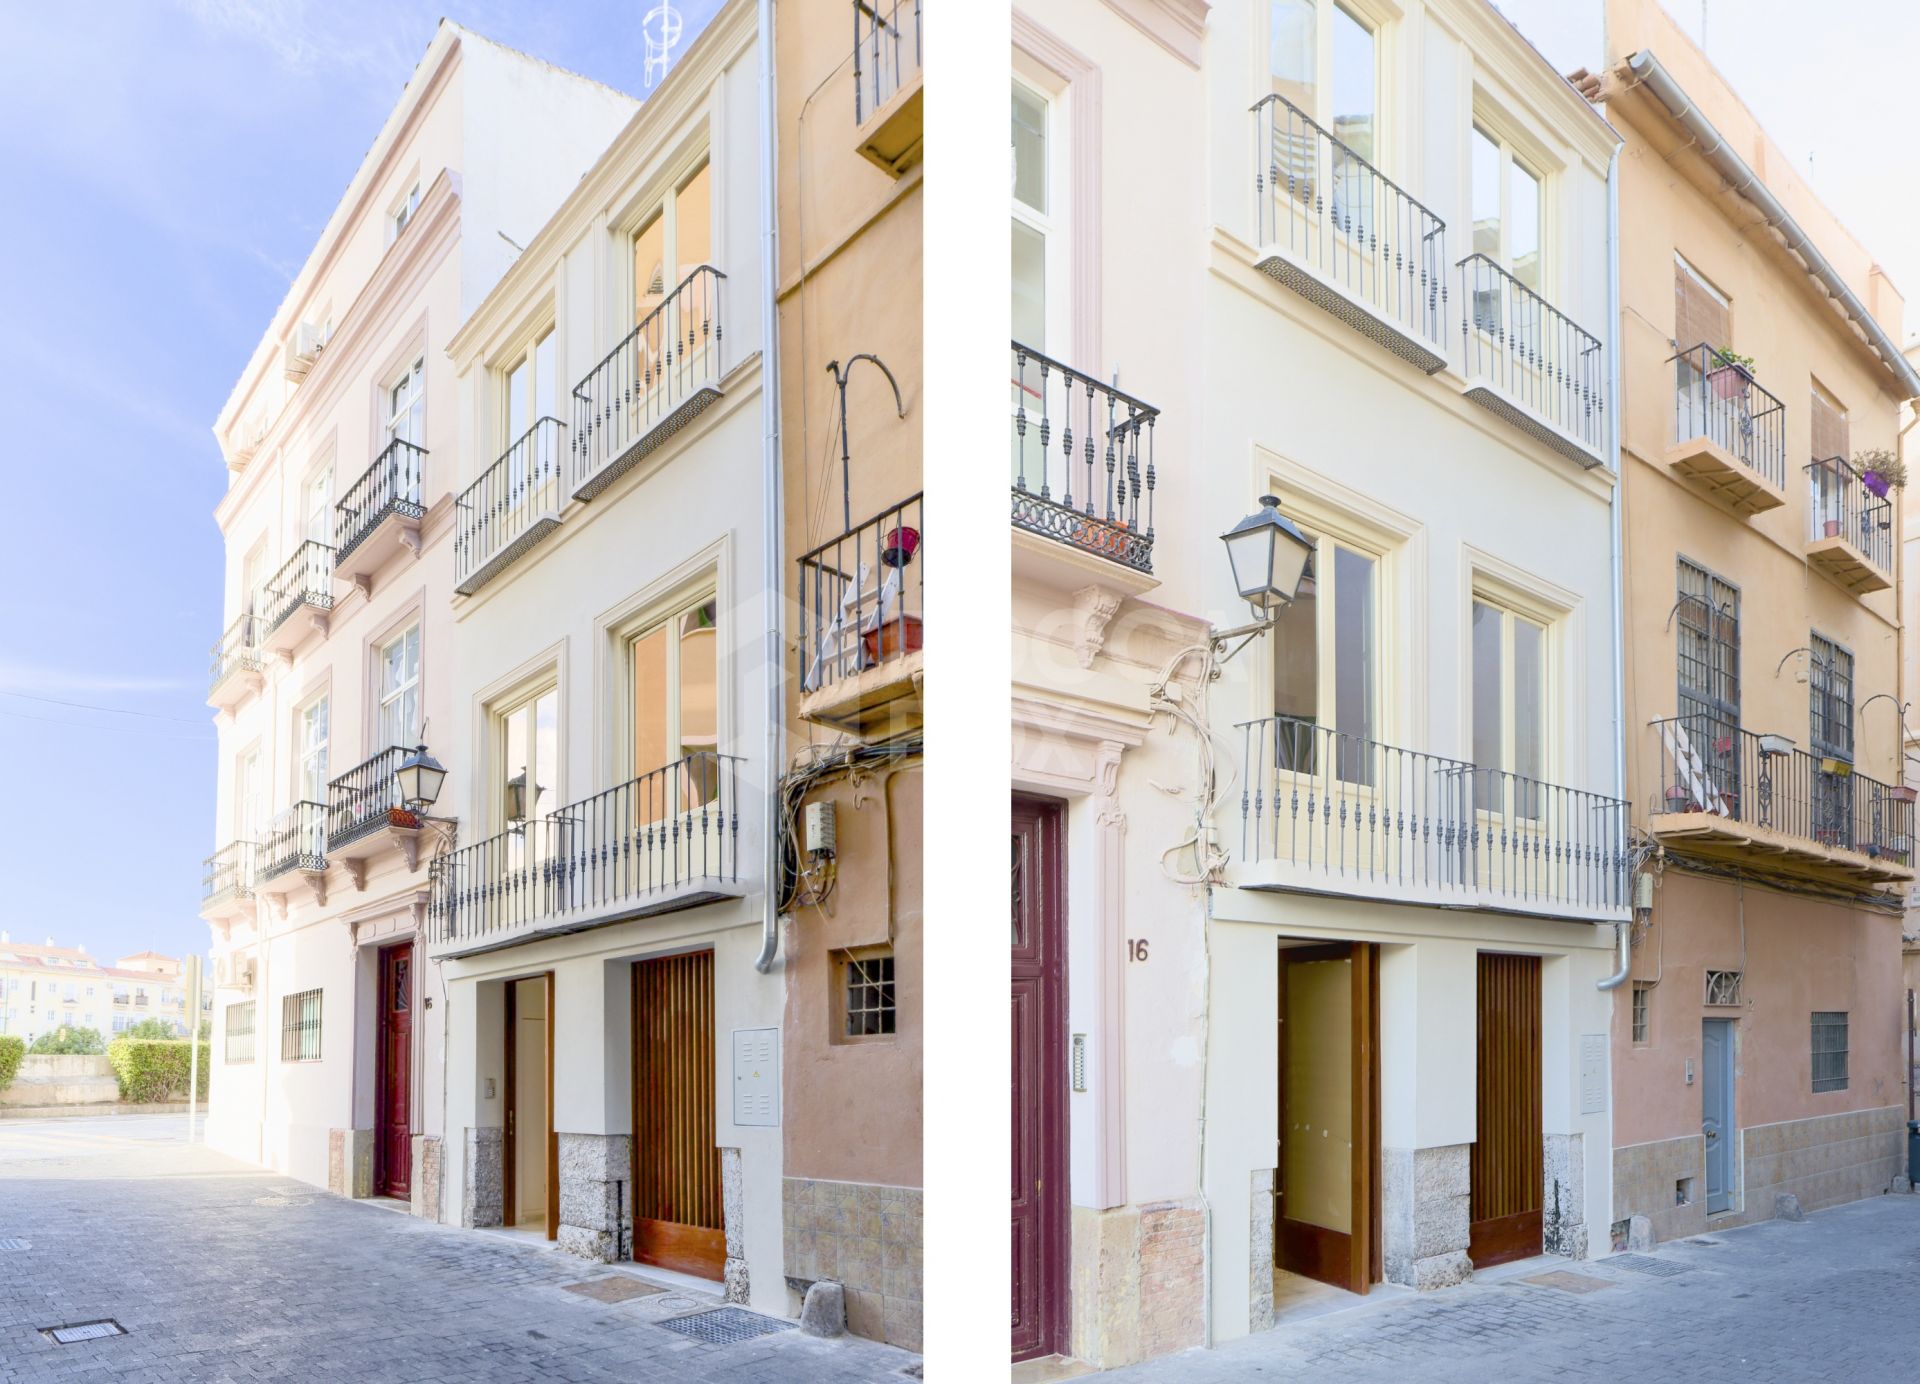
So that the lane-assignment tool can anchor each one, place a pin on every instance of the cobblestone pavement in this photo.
(220, 1271)
(1836, 1297)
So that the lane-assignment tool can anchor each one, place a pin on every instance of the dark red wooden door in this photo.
(393, 1107)
(1039, 1079)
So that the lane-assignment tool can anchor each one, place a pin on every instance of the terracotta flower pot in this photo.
(1729, 381)
(400, 817)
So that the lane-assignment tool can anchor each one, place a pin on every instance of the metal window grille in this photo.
(239, 1031)
(1723, 987)
(870, 1006)
(300, 1027)
(1641, 995)
(1830, 694)
(1829, 1051)
(1707, 657)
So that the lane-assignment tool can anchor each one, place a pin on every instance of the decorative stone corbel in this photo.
(364, 580)
(317, 882)
(318, 619)
(357, 872)
(413, 541)
(1093, 607)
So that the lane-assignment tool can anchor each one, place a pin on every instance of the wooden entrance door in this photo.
(1326, 1202)
(1506, 1161)
(676, 1177)
(1039, 1079)
(393, 1099)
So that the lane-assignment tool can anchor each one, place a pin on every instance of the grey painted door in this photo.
(1716, 1110)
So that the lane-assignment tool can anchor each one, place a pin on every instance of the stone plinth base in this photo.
(350, 1162)
(863, 1236)
(1425, 1197)
(482, 1186)
(595, 1200)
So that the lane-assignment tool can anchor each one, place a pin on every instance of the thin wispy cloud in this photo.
(45, 681)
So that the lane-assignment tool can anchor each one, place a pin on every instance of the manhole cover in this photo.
(618, 1288)
(82, 1331)
(725, 1325)
(680, 1302)
(1568, 1282)
(1640, 1263)
(10, 1242)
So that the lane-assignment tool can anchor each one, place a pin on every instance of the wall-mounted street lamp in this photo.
(419, 776)
(1268, 555)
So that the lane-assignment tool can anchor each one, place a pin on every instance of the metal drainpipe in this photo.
(1622, 932)
(772, 506)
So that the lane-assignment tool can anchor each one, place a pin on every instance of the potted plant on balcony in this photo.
(1880, 470)
(1730, 373)
(402, 818)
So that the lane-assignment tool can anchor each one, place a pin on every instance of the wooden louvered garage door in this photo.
(1506, 1162)
(676, 1178)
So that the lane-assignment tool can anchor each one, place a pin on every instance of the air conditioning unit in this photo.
(232, 972)
(303, 348)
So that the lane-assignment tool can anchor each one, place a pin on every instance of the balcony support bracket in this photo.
(316, 881)
(357, 871)
(1094, 606)
(364, 580)
(410, 539)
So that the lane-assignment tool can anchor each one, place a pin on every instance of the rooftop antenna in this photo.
(660, 29)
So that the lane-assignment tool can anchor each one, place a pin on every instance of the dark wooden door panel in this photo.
(676, 1191)
(1505, 1165)
(393, 1101)
(1039, 1142)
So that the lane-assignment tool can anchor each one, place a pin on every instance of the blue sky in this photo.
(167, 167)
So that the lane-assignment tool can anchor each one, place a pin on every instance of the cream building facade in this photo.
(1275, 886)
(342, 440)
(602, 931)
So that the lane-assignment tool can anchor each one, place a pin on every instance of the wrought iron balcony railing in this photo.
(1535, 357)
(1841, 506)
(863, 597)
(1083, 469)
(664, 839)
(1347, 814)
(304, 580)
(363, 796)
(1707, 765)
(235, 651)
(1722, 403)
(296, 839)
(227, 874)
(390, 486)
(1327, 209)
(649, 386)
(511, 506)
(886, 51)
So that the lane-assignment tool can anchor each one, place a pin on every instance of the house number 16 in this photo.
(1136, 949)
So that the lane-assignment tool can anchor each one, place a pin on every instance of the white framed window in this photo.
(531, 387)
(675, 237)
(1509, 208)
(1039, 242)
(402, 214)
(255, 573)
(529, 782)
(250, 799)
(406, 402)
(398, 690)
(1327, 645)
(1509, 696)
(312, 749)
(673, 665)
(1324, 59)
(318, 503)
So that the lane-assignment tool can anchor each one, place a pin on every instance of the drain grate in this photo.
(1640, 1263)
(725, 1325)
(82, 1331)
(13, 1242)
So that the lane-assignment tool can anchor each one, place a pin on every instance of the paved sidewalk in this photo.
(220, 1271)
(1836, 1297)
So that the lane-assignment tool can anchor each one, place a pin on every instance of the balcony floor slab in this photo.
(1362, 317)
(511, 553)
(1520, 417)
(1278, 876)
(1846, 565)
(693, 894)
(1716, 472)
(1766, 850)
(651, 440)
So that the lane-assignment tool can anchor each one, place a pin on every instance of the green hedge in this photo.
(11, 1051)
(155, 1069)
